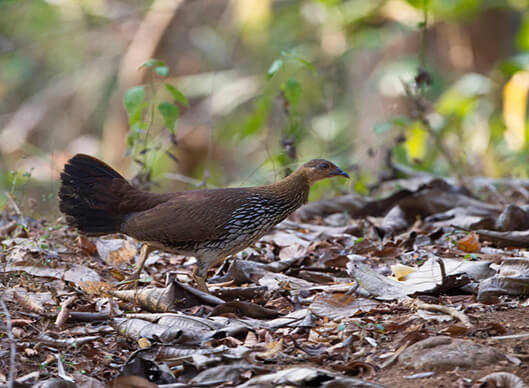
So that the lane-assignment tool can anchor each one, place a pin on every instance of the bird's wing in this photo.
(189, 216)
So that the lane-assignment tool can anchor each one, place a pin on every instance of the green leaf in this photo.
(292, 90)
(177, 94)
(136, 117)
(515, 63)
(130, 140)
(522, 38)
(255, 120)
(162, 70)
(170, 114)
(307, 64)
(133, 98)
(275, 67)
(152, 63)
(145, 279)
(381, 128)
(401, 121)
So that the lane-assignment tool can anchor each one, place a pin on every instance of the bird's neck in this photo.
(293, 188)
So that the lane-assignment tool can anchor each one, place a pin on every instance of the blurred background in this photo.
(242, 91)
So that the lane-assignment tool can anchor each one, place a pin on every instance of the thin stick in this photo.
(423, 34)
(443, 270)
(445, 309)
(185, 179)
(12, 347)
(13, 203)
(421, 116)
(63, 315)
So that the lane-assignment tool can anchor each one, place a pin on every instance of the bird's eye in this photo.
(324, 165)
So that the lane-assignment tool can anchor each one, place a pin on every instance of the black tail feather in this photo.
(90, 195)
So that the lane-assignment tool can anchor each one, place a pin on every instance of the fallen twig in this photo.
(508, 337)
(13, 203)
(8, 228)
(12, 346)
(46, 339)
(395, 355)
(63, 315)
(445, 309)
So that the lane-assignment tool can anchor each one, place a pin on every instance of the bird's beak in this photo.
(341, 172)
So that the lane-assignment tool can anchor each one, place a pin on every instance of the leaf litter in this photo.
(426, 286)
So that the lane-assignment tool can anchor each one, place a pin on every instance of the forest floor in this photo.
(423, 287)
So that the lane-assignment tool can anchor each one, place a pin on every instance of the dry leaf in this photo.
(340, 305)
(18, 332)
(274, 348)
(30, 352)
(138, 328)
(400, 271)
(469, 243)
(144, 343)
(96, 288)
(251, 339)
(131, 382)
(74, 273)
(501, 379)
(116, 251)
(29, 303)
(117, 274)
(87, 245)
(156, 300)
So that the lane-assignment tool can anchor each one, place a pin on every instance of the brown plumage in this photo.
(208, 224)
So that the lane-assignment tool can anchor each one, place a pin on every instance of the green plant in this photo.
(14, 197)
(290, 92)
(142, 144)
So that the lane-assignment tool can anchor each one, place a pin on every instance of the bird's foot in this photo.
(201, 283)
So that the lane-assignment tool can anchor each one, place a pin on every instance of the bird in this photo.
(209, 224)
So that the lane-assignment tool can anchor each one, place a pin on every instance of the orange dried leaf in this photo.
(87, 245)
(455, 330)
(95, 288)
(273, 349)
(144, 343)
(469, 243)
(116, 274)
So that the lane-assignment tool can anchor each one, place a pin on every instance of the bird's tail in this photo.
(91, 195)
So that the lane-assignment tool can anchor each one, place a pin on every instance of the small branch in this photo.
(443, 270)
(8, 228)
(421, 116)
(64, 314)
(395, 355)
(445, 309)
(207, 175)
(13, 203)
(509, 337)
(184, 179)
(423, 79)
(12, 346)
(424, 29)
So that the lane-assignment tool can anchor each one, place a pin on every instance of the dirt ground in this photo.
(315, 294)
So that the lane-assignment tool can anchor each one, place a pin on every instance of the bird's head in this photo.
(318, 169)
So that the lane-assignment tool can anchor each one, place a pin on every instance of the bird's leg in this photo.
(200, 272)
(146, 249)
(200, 281)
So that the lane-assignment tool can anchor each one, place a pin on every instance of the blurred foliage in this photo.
(243, 91)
